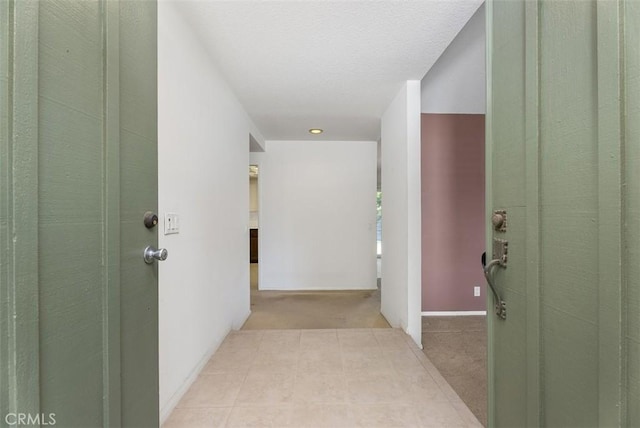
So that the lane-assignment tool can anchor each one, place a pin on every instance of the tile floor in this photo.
(320, 378)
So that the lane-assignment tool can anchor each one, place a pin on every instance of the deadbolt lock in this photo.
(150, 220)
(499, 220)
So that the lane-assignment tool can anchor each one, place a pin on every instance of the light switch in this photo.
(171, 223)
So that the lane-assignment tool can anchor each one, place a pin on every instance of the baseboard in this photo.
(311, 289)
(166, 411)
(453, 313)
(244, 320)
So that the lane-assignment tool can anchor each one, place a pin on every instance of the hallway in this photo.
(320, 378)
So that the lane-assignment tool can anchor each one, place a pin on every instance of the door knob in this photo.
(501, 306)
(151, 254)
(500, 247)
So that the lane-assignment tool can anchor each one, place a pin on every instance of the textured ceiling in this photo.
(334, 65)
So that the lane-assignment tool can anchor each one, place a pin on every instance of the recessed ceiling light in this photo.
(316, 131)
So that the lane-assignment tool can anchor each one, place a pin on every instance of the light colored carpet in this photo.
(457, 346)
(313, 309)
(253, 275)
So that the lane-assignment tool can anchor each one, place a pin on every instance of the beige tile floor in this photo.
(320, 378)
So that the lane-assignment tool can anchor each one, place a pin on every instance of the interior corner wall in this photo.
(453, 200)
(203, 143)
(401, 247)
(317, 215)
(457, 81)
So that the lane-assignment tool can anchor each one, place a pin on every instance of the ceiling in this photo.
(331, 64)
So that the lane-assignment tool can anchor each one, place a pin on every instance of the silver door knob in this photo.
(151, 254)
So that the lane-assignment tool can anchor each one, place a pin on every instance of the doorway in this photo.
(312, 213)
(454, 297)
(253, 227)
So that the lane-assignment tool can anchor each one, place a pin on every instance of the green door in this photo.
(563, 161)
(78, 170)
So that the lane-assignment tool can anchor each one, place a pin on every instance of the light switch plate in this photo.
(476, 291)
(171, 223)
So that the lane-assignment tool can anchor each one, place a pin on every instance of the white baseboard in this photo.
(244, 320)
(453, 313)
(329, 290)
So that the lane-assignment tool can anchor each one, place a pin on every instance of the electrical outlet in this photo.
(476, 291)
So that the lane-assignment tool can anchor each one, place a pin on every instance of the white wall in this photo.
(317, 215)
(203, 159)
(456, 82)
(401, 212)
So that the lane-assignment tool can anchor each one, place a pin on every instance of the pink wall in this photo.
(452, 211)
